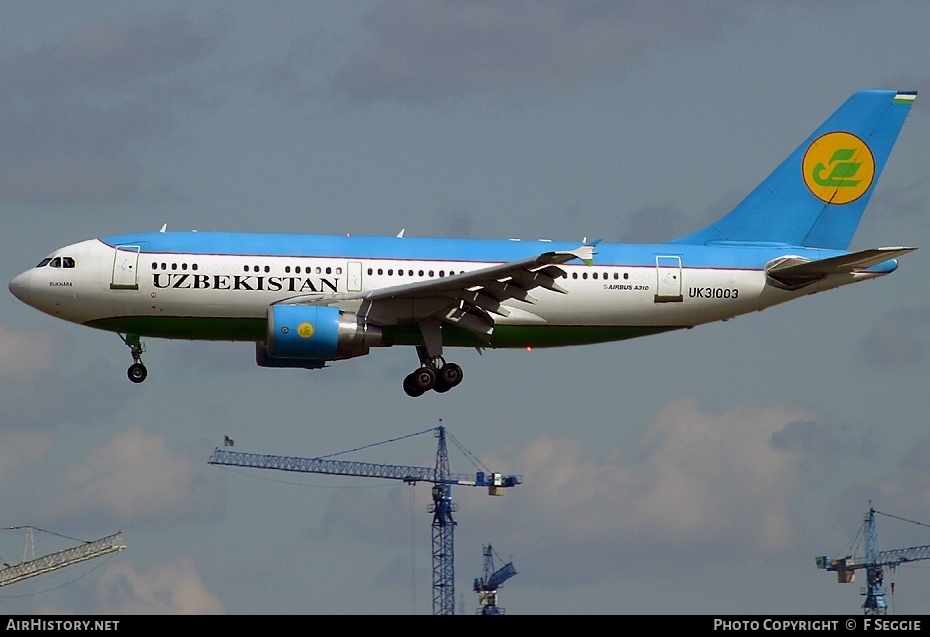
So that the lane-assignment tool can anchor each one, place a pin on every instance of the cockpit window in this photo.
(56, 262)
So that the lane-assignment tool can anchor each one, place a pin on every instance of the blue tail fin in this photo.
(816, 197)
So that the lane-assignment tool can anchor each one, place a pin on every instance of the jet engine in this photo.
(310, 335)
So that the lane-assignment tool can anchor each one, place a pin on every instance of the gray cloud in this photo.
(899, 338)
(422, 50)
(654, 224)
(40, 392)
(172, 588)
(106, 55)
(72, 113)
(135, 477)
(672, 489)
(24, 354)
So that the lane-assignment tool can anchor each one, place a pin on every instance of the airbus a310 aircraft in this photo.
(307, 300)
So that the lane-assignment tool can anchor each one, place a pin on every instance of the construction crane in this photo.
(11, 574)
(874, 564)
(443, 527)
(486, 586)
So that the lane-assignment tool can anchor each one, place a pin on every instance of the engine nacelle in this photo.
(264, 359)
(310, 335)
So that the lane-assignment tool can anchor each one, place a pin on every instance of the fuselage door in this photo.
(354, 276)
(125, 268)
(668, 285)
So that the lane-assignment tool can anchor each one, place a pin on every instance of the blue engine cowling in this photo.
(309, 335)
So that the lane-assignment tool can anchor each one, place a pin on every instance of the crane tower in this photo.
(442, 507)
(874, 564)
(486, 586)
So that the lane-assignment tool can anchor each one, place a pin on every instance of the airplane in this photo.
(308, 300)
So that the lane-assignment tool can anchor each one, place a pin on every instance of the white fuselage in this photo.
(108, 287)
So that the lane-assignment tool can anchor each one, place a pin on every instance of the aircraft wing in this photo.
(467, 299)
(794, 274)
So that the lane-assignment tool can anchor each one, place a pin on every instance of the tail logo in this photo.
(838, 168)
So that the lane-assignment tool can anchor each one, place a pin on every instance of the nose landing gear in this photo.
(137, 371)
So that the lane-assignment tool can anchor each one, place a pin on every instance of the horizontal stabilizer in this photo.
(793, 274)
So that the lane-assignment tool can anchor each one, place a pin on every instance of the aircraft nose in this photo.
(20, 286)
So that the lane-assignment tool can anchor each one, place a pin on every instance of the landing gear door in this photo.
(125, 268)
(668, 286)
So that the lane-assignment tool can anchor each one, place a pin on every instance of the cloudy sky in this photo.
(693, 472)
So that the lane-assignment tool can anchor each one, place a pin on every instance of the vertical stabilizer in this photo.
(816, 197)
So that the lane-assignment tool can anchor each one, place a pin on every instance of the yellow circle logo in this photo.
(838, 168)
(305, 330)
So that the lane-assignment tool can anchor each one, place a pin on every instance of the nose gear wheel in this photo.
(137, 372)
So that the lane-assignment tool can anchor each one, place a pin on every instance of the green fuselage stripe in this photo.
(253, 330)
(185, 327)
(522, 335)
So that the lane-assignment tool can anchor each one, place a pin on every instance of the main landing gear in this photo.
(434, 373)
(137, 371)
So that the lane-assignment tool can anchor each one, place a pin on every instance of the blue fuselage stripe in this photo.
(742, 256)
